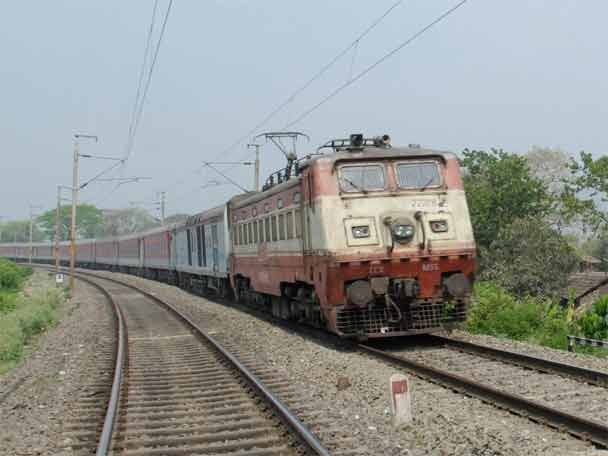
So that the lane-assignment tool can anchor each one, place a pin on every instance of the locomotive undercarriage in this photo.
(384, 307)
(298, 302)
(402, 318)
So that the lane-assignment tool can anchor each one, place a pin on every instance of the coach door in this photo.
(214, 243)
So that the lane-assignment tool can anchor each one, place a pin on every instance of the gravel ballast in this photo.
(445, 422)
(39, 395)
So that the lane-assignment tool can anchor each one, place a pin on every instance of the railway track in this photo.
(566, 397)
(563, 396)
(177, 391)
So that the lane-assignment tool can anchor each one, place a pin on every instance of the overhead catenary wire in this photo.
(300, 89)
(140, 80)
(149, 79)
(316, 76)
(140, 101)
(381, 60)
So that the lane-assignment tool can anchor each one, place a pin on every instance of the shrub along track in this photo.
(563, 396)
(177, 391)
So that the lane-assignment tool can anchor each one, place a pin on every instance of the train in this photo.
(362, 238)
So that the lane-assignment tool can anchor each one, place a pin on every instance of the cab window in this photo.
(418, 175)
(362, 178)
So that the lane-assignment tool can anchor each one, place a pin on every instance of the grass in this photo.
(22, 317)
(537, 320)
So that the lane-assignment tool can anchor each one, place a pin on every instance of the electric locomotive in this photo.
(368, 240)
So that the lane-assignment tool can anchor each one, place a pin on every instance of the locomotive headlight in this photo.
(360, 231)
(439, 226)
(403, 233)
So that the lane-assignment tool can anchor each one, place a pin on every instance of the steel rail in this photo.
(105, 438)
(577, 426)
(582, 374)
(300, 429)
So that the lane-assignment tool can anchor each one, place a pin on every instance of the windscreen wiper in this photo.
(355, 186)
(425, 186)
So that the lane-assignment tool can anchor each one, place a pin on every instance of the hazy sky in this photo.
(499, 73)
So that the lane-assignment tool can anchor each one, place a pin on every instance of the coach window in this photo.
(282, 227)
(250, 228)
(245, 240)
(189, 238)
(261, 230)
(255, 231)
(204, 246)
(267, 228)
(199, 245)
(273, 221)
(298, 221)
(289, 224)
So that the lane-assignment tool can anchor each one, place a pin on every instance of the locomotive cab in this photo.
(394, 226)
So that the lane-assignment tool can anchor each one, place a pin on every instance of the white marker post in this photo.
(401, 402)
(58, 279)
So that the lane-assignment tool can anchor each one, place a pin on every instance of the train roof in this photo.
(374, 153)
(205, 215)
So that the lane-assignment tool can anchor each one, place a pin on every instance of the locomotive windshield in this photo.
(418, 175)
(362, 178)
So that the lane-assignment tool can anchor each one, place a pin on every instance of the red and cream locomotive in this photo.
(368, 241)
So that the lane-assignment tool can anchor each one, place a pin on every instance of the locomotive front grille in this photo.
(417, 317)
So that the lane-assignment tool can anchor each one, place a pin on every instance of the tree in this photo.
(588, 190)
(19, 231)
(127, 221)
(501, 188)
(552, 166)
(529, 258)
(88, 222)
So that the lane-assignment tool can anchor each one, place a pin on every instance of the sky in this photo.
(493, 74)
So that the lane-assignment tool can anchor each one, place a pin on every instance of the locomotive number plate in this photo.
(430, 267)
(415, 205)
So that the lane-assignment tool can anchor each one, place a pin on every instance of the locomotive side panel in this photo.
(266, 239)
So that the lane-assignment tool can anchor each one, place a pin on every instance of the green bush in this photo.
(594, 323)
(30, 317)
(11, 275)
(496, 312)
(12, 339)
(554, 329)
(7, 302)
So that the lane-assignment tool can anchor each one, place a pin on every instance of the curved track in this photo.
(180, 392)
(563, 396)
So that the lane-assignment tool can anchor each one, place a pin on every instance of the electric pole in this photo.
(58, 225)
(256, 179)
(56, 247)
(73, 224)
(75, 188)
(162, 208)
(32, 231)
